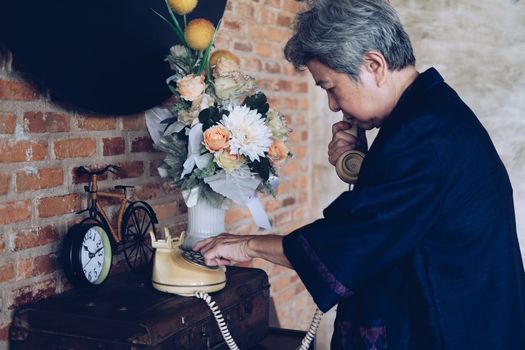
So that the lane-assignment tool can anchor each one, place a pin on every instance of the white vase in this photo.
(204, 221)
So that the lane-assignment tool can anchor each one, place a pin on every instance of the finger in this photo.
(198, 246)
(336, 153)
(342, 143)
(342, 125)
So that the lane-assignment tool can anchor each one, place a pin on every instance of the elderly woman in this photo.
(423, 253)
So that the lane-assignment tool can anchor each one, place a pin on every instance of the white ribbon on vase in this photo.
(241, 186)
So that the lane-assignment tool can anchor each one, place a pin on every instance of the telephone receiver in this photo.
(349, 163)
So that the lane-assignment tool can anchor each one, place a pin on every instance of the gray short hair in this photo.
(339, 32)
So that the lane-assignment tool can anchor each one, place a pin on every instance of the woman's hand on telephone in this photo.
(341, 141)
(227, 248)
(224, 249)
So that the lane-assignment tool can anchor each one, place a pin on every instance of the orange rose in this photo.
(190, 87)
(277, 151)
(216, 138)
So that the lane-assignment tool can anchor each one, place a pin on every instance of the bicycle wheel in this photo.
(136, 224)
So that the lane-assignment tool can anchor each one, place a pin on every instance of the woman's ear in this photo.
(375, 63)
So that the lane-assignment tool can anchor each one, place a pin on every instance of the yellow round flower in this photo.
(222, 54)
(182, 7)
(198, 33)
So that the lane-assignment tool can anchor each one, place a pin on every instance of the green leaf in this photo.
(206, 58)
(261, 167)
(257, 102)
(175, 28)
(209, 117)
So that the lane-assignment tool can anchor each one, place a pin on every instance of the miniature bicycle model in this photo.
(89, 246)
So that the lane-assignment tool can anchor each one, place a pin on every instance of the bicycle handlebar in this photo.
(111, 168)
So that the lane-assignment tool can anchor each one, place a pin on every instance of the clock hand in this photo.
(87, 249)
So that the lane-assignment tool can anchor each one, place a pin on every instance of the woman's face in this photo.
(362, 103)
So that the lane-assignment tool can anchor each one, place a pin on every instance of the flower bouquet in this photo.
(221, 138)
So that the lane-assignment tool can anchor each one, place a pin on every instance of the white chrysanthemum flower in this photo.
(249, 134)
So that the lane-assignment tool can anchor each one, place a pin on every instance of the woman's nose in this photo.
(332, 104)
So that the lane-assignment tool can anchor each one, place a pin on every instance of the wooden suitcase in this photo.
(127, 313)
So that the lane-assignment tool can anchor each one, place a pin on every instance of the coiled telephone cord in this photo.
(219, 318)
(305, 344)
(307, 340)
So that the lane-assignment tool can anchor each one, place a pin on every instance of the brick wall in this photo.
(41, 144)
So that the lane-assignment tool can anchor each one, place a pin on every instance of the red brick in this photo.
(38, 122)
(113, 146)
(277, 35)
(142, 144)
(288, 201)
(285, 21)
(231, 25)
(44, 178)
(77, 179)
(272, 205)
(131, 169)
(292, 6)
(35, 237)
(264, 50)
(4, 332)
(7, 272)
(272, 67)
(24, 268)
(269, 16)
(244, 10)
(133, 122)
(97, 123)
(4, 183)
(285, 85)
(300, 87)
(17, 211)
(251, 64)
(7, 123)
(59, 205)
(235, 215)
(17, 90)
(147, 192)
(166, 211)
(273, 3)
(33, 292)
(44, 264)
(256, 32)
(73, 148)
(22, 151)
(240, 46)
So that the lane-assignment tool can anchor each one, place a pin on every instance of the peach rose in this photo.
(216, 138)
(190, 87)
(228, 161)
(277, 151)
(225, 66)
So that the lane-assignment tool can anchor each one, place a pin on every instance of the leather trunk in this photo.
(127, 313)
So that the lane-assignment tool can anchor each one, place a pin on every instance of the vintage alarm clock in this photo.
(87, 254)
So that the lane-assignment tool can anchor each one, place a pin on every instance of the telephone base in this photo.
(176, 274)
(188, 290)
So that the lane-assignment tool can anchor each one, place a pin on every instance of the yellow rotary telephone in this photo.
(183, 272)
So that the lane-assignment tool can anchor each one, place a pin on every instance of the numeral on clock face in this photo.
(92, 256)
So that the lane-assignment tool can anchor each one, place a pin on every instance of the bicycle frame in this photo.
(95, 208)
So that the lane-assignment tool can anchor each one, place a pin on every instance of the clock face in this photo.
(92, 255)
